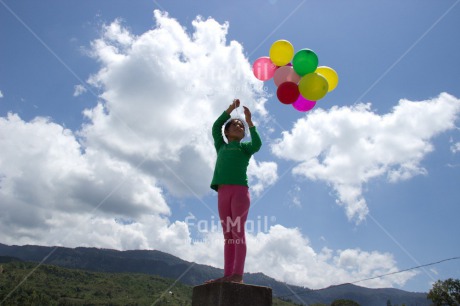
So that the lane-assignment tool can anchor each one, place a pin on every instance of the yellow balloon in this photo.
(281, 52)
(313, 86)
(331, 76)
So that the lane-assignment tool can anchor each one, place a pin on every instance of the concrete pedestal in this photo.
(231, 294)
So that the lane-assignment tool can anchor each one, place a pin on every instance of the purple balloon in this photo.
(303, 105)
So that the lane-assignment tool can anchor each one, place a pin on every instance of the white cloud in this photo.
(162, 91)
(104, 186)
(51, 188)
(150, 131)
(285, 254)
(79, 90)
(348, 146)
(1, 94)
(263, 173)
(48, 183)
(455, 147)
(294, 199)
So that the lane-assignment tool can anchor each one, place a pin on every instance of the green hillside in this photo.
(23, 283)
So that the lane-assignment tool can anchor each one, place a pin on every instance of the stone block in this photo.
(231, 294)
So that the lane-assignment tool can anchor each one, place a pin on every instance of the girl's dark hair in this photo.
(229, 122)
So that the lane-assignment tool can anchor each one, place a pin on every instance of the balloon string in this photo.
(236, 109)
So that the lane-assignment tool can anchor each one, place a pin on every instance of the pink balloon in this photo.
(303, 105)
(285, 74)
(263, 68)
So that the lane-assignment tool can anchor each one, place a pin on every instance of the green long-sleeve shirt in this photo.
(232, 158)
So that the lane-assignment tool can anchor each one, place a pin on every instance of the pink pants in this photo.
(233, 202)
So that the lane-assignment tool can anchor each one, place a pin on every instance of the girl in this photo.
(231, 183)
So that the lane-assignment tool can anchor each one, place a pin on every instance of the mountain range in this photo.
(154, 262)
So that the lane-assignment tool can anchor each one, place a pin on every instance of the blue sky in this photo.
(105, 116)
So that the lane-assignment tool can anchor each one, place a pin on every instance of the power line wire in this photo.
(370, 278)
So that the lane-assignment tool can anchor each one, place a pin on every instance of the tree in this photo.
(445, 292)
(344, 303)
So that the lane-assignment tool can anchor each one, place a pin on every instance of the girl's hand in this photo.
(248, 116)
(231, 107)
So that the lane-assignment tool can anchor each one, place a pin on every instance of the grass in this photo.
(52, 285)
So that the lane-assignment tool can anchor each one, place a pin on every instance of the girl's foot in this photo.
(235, 278)
(217, 280)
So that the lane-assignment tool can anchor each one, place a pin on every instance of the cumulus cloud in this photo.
(291, 258)
(162, 91)
(79, 90)
(348, 146)
(263, 174)
(48, 183)
(149, 133)
(326, 267)
(105, 185)
(455, 147)
(1, 94)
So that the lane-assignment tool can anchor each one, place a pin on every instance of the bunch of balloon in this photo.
(298, 78)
